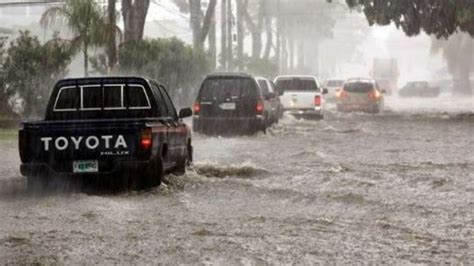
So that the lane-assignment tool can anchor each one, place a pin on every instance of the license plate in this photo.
(85, 166)
(227, 106)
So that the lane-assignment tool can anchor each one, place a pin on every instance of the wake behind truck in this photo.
(118, 131)
(386, 73)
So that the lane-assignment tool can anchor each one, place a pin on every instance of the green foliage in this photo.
(260, 67)
(3, 93)
(170, 61)
(31, 69)
(87, 21)
(439, 17)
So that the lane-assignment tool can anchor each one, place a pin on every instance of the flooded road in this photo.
(391, 188)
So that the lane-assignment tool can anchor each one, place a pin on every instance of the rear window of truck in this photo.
(227, 88)
(297, 84)
(101, 97)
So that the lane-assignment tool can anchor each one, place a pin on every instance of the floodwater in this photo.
(397, 187)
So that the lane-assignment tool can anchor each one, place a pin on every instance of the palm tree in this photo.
(86, 20)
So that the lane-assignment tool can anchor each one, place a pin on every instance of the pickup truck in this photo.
(123, 132)
(302, 96)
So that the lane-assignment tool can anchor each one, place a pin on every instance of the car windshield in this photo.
(358, 87)
(297, 84)
(227, 88)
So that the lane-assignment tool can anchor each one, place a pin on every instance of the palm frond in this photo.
(54, 16)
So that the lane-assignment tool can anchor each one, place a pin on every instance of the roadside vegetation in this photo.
(277, 42)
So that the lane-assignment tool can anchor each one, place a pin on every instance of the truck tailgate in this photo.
(61, 143)
(298, 100)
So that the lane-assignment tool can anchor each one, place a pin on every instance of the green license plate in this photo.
(85, 166)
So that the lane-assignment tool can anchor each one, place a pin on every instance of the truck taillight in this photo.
(317, 100)
(146, 139)
(197, 108)
(260, 107)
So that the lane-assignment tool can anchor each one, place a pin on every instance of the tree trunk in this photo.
(255, 29)
(223, 34)
(292, 53)
(462, 82)
(208, 20)
(86, 60)
(195, 21)
(230, 45)
(112, 46)
(268, 28)
(199, 25)
(212, 42)
(240, 34)
(134, 17)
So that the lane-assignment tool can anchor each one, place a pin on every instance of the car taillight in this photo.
(342, 94)
(146, 139)
(197, 108)
(374, 95)
(317, 100)
(260, 107)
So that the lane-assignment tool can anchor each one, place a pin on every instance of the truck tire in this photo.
(184, 162)
(154, 174)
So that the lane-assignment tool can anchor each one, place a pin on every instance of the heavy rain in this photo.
(236, 132)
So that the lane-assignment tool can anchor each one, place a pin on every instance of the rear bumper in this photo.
(318, 111)
(229, 125)
(358, 107)
(33, 169)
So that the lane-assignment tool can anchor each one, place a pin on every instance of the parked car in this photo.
(231, 103)
(302, 96)
(121, 131)
(360, 94)
(273, 96)
(333, 86)
(419, 89)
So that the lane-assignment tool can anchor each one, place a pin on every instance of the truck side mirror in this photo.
(185, 112)
(325, 91)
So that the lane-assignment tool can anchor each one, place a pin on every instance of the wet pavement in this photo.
(397, 187)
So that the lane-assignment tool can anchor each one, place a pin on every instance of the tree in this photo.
(439, 17)
(256, 28)
(31, 69)
(4, 94)
(112, 30)
(85, 18)
(458, 52)
(200, 25)
(170, 61)
(134, 16)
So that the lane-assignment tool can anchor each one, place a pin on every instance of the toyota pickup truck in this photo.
(302, 96)
(119, 131)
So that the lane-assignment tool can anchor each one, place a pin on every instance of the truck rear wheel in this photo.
(185, 161)
(154, 174)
